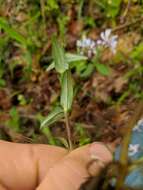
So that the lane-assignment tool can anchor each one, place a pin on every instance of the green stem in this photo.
(42, 4)
(68, 131)
(80, 9)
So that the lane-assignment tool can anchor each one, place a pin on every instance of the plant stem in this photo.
(126, 11)
(80, 9)
(42, 3)
(68, 130)
(121, 27)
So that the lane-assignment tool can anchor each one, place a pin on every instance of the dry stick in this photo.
(68, 131)
(125, 144)
(126, 11)
(127, 24)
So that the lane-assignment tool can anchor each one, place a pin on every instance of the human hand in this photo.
(44, 167)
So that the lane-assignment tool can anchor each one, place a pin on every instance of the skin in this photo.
(45, 167)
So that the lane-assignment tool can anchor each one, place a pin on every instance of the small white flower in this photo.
(89, 46)
(138, 126)
(105, 36)
(86, 45)
(79, 43)
(108, 40)
(133, 149)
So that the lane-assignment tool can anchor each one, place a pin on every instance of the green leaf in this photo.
(70, 58)
(63, 141)
(67, 91)
(46, 131)
(52, 4)
(50, 67)
(59, 57)
(111, 7)
(12, 33)
(2, 83)
(87, 71)
(27, 56)
(54, 116)
(14, 121)
(137, 52)
(102, 69)
(74, 57)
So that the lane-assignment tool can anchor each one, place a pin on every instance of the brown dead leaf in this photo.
(75, 27)
(104, 86)
(5, 102)
(119, 84)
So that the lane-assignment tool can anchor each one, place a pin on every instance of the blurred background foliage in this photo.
(106, 86)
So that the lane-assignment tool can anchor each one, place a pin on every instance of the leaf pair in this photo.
(70, 57)
(62, 67)
(66, 100)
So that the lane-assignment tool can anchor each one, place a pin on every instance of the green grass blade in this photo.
(12, 33)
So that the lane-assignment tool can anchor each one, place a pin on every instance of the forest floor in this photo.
(107, 85)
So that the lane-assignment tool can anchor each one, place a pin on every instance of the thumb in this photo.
(97, 153)
(72, 171)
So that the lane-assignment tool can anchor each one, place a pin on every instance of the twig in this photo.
(127, 24)
(126, 11)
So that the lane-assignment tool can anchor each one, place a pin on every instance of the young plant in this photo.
(62, 66)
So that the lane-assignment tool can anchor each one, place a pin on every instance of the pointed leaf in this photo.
(67, 91)
(50, 67)
(70, 58)
(74, 57)
(60, 60)
(63, 141)
(103, 69)
(54, 116)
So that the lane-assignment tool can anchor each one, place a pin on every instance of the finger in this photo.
(22, 166)
(47, 156)
(72, 170)
(2, 187)
(98, 152)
